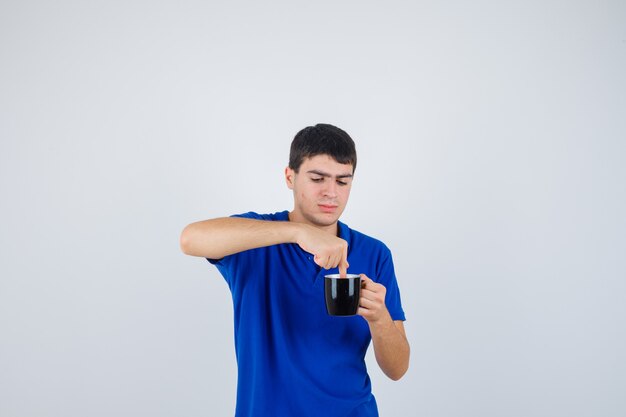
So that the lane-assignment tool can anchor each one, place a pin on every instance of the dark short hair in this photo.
(322, 139)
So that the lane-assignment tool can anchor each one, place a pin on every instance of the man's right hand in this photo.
(329, 251)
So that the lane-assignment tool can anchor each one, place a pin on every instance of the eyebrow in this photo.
(324, 174)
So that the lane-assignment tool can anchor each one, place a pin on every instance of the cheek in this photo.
(303, 196)
(307, 193)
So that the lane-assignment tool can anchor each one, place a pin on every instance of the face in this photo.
(320, 190)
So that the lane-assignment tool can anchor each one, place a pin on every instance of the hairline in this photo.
(297, 170)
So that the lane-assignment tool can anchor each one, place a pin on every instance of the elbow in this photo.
(194, 242)
(396, 375)
(401, 366)
(185, 241)
(399, 375)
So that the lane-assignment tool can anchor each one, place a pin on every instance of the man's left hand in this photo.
(372, 305)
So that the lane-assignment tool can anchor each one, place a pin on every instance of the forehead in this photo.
(326, 164)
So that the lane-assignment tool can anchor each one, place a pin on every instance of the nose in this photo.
(330, 189)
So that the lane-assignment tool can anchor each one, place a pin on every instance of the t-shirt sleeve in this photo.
(387, 277)
(228, 264)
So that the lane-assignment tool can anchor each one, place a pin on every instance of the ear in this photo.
(289, 177)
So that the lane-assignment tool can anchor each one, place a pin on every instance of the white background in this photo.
(491, 139)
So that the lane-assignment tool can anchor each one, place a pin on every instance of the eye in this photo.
(342, 182)
(317, 179)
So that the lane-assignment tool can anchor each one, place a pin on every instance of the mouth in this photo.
(327, 208)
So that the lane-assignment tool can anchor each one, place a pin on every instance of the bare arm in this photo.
(391, 346)
(217, 238)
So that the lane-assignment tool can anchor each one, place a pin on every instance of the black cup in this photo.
(342, 294)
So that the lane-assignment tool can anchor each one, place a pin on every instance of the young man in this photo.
(294, 360)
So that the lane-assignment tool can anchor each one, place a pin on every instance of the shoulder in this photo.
(278, 216)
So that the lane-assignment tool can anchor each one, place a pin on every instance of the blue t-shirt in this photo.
(293, 359)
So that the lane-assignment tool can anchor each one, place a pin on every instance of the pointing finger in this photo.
(343, 263)
(343, 269)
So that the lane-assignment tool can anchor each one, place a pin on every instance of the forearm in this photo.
(391, 347)
(225, 236)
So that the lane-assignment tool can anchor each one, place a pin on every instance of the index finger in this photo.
(343, 264)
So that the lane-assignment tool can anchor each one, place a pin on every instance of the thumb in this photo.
(318, 261)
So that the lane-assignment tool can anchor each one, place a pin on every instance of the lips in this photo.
(327, 208)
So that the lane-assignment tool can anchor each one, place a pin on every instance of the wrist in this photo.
(295, 232)
(382, 322)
